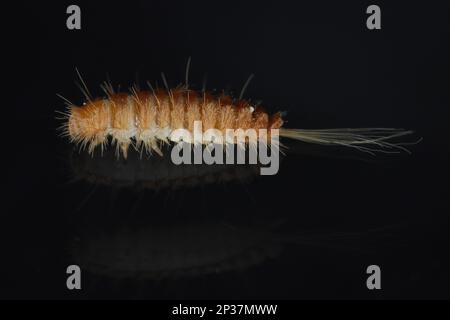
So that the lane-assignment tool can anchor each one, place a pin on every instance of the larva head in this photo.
(89, 123)
(75, 122)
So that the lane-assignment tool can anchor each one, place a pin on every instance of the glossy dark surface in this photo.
(308, 232)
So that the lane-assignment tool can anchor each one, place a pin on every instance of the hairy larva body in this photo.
(148, 118)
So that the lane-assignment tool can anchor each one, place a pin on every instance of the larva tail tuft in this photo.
(370, 140)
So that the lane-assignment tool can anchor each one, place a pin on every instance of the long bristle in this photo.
(370, 140)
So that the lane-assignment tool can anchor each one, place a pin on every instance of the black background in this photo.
(327, 216)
